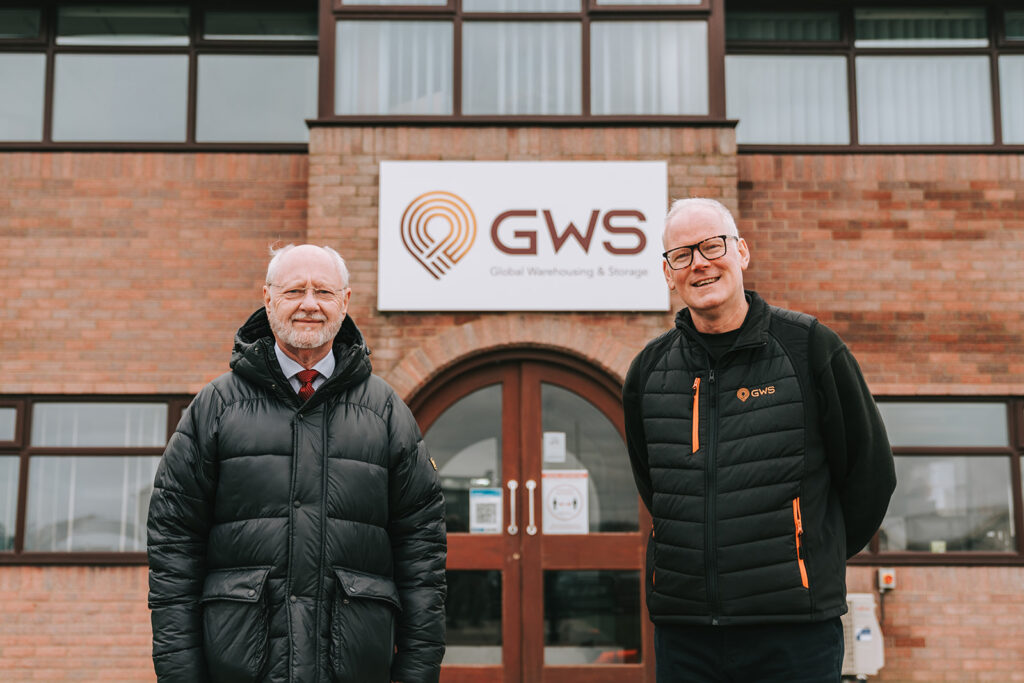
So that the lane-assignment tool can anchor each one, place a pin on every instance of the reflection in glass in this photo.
(22, 79)
(382, 3)
(788, 99)
(521, 67)
(473, 617)
(88, 503)
(120, 97)
(393, 67)
(592, 443)
(253, 25)
(520, 5)
(924, 100)
(945, 424)
(782, 26)
(465, 442)
(949, 503)
(99, 424)
(8, 500)
(649, 67)
(1011, 97)
(1015, 25)
(920, 27)
(19, 23)
(122, 25)
(591, 617)
(8, 426)
(255, 98)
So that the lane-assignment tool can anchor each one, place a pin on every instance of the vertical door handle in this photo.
(531, 528)
(512, 486)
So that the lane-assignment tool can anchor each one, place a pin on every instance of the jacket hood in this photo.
(752, 332)
(253, 354)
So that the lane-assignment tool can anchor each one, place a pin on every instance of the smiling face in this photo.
(712, 290)
(306, 303)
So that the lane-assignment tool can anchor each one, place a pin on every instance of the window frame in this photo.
(46, 43)
(24, 451)
(997, 45)
(1014, 450)
(710, 11)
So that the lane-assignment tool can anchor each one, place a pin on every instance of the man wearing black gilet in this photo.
(760, 453)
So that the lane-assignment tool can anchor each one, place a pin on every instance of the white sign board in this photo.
(565, 497)
(554, 446)
(521, 236)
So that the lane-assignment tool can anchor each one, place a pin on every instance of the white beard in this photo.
(308, 339)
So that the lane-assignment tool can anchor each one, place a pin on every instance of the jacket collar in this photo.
(254, 359)
(753, 331)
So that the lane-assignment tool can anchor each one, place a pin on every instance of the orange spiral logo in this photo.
(438, 229)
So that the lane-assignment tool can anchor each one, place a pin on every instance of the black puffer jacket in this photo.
(294, 542)
(763, 470)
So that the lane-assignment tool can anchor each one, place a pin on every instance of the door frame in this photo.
(523, 631)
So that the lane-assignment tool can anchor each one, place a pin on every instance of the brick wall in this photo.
(74, 624)
(962, 624)
(914, 259)
(129, 273)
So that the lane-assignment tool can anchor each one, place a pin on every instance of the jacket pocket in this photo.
(236, 626)
(363, 627)
(798, 526)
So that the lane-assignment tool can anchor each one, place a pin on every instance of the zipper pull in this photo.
(695, 436)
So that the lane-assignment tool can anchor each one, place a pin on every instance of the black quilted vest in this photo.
(746, 526)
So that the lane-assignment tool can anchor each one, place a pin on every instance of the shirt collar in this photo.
(290, 367)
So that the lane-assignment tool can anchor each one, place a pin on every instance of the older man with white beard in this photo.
(296, 528)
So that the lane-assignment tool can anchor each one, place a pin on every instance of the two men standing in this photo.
(296, 531)
(296, 528)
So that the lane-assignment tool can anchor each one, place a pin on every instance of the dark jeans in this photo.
(794, 653)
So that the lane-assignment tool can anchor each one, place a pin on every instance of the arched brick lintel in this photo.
(455, 345)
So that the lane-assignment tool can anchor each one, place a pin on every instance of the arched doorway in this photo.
(545, 549)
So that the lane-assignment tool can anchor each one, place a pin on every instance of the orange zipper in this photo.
(695, 438)
(799, 525)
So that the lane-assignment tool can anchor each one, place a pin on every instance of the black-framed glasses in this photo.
(711, 248)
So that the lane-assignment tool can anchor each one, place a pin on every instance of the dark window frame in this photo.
(711, 11)
(197, 46)
(997, 45)
(1014, 450)
(24, 451)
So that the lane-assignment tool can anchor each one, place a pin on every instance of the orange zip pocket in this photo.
(695, 438)
(798, 524)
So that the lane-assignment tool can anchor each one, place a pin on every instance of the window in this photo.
(958, 470)
(176, 74)
(521, 58)
(878, 76)
(76, 487)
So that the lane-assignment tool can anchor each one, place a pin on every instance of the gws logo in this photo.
(438, 228)
(743, 394)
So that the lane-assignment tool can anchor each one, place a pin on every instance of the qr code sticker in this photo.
(487, 513)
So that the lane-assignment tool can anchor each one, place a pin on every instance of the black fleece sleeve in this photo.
(860, 458)
(636, 440)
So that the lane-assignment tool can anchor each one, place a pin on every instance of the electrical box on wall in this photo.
(865, 649)
(886, 579)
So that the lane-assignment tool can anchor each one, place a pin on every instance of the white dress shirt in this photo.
(291, 368)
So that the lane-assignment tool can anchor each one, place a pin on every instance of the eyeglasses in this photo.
(299, 293)
(712, 248)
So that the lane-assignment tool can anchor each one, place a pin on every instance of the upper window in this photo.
(874, 76)
(88, 468)
(958, 470)
(521, 58)
(163, 74)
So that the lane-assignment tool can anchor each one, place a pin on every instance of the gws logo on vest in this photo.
(438, 228)
(743, 394)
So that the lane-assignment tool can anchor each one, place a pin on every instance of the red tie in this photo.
(306, 377)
